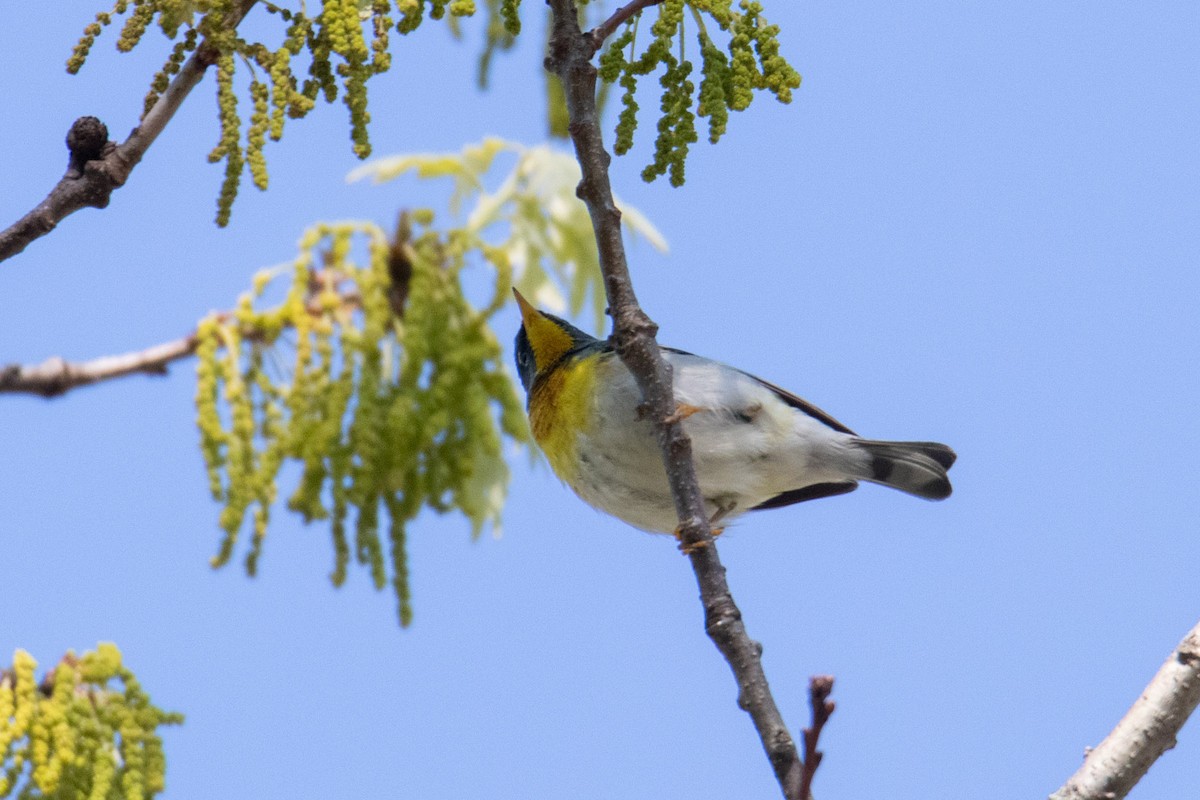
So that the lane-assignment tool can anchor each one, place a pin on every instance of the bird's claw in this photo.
(682, 412)
(688, 549)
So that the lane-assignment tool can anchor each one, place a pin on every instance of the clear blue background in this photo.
(977, 223)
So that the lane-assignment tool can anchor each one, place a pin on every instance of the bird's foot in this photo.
(682, 412)
(688, 549)
(723, 509)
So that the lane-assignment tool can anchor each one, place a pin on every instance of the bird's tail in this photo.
(918, 468)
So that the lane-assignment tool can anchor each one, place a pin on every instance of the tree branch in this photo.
(97, 167)
(633, 337)
(54, 376)
(819, 689)
(1147, 731)
(605, 29)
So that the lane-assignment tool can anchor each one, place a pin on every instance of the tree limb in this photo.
(1147, 730)
(819, 689)
(605, 29)
(54, 376)
(633, 336)
(97, 167)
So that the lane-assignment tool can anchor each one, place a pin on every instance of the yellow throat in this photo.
(561, 397)
(548, 340)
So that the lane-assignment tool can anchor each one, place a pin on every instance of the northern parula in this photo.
(754, 445)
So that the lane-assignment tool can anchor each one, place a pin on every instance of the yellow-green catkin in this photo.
(162, 79)
(615, 67)
(256, 136)
(389, 406)
(135, 25)
(229, 148)
(86, 728)
(714, 86)
(729, 78)
(510, 13)
(347, 43)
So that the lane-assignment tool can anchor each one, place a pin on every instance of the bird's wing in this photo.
(814, 492)
(801, 404)
(798, 403)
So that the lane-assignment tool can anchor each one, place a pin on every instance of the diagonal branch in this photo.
(633, 337)
(54, 376)
(819, 689)
(621, 15)
(97, 166)
(1147, 730)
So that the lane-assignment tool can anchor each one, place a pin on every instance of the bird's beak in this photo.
(528, 312)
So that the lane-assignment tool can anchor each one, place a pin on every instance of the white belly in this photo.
(748, 445)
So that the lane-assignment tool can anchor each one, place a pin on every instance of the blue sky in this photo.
(975, 224)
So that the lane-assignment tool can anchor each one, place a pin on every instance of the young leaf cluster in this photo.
(86, 731)
(750, 62)
(532, 216)
(319, 56)
(394, 399)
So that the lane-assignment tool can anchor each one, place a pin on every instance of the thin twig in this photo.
(55, 377)
(819, 689)
(97, 167)
(633, 337)
(1147, 730)
(598, 34)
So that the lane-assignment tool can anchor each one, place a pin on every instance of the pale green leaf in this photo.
(533, 216)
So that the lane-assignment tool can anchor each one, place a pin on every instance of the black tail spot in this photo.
(937, 489)
(881, 468)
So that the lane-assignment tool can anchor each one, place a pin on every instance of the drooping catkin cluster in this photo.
(343, 46)
(728, 78)
(393, 397)
(87, 731)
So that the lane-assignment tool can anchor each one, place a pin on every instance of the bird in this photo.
(755, 446)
